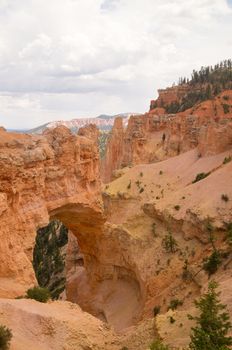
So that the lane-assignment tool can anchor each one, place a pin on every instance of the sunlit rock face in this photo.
(157, 135)
(43, 177)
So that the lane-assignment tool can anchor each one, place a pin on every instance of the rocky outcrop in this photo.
(154, 136)
(169, 95)
(54, 326)
(55, 175)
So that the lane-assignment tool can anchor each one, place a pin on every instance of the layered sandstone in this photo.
(54, 175)
(155, 136)
(170, 95)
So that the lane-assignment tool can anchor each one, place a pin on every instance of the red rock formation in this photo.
(169, 95)
(155, 136)
(54, 175)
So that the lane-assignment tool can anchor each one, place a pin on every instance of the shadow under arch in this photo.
(105, 286)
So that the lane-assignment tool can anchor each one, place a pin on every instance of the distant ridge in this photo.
(104, 122)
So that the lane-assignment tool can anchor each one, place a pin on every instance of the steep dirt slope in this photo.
(152, 200)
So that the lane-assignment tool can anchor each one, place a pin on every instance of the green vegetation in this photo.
(5, 337)
(229, 233)
(138, 183)
(39, 294)
(226, 108)
(158, 345)
(156, 310)
(177, 207)
(174, 303)
(186, 274)
(212, 324)
(212, 263)
(102, 142)
(172, 320)
(204, 84)
(200, 177)
(227, 160)
(169, 243)
(154, 229)
(48, 259)
(224, 197)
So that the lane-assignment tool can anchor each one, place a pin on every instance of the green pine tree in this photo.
(213, 323)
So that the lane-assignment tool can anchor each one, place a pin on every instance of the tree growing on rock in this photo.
(212, 324)
(5, 337)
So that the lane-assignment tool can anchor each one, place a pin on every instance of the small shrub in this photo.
(156, 310)
(39, 294)
(141, 174)
(154, 229)
(141, 190)
(224, 197)
(174, 303)
(169, 243)
(227, 160)
(209, 226)
(229, 234)
(226, 108)
(161, 172)
(177, 207)
(226, 97)
(200, 177)
(158, 345)
(129, 185)
(5, 337)
(124, 348)
(172, 319)
(186, 274)
(212, 263)
(138, 183)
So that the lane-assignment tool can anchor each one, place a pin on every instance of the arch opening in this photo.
(89, 271)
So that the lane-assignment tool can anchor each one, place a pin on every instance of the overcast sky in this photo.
(64, 59)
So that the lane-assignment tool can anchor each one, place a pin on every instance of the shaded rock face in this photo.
(156, 136)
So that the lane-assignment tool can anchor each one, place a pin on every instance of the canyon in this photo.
(120, 212)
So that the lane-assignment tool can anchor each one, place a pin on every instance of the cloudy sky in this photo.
(63, 59)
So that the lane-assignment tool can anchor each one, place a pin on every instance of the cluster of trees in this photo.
(48, 259)
(204, 84)
(212, 324)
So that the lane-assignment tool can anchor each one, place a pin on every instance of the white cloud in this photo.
(64, 59)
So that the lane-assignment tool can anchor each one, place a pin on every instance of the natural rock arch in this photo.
(56, 175)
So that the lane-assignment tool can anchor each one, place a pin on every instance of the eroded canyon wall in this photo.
(157, 135)
(53, 175)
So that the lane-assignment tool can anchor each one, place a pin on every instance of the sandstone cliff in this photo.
(54, 175)
(156, 135)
